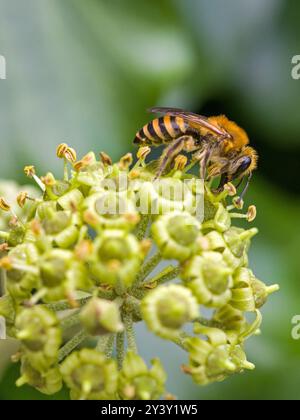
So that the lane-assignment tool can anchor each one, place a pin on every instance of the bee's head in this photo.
(240, 166)
(244, 164)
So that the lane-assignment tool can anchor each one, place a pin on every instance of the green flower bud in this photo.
(90, 375)
(100, 316)
(40, 336)
(71, 200)
(91, 173)
(167, 309)
(67, 237)
(16, 235)
(49, 382)
(54, 267)
(230, 318)
(137, 382)
(214, 360)
(61, 275)
(221, 220)
(215, 241)
(56, 188)
(117, 258)
(55, 222)
(248, 292)
(61, 227)
(234, 262)
(111, 210)
(46, 209)
(167, 195)
(238, 240)
(209, 278)
(23, 277)
(176, 235)
(7, 308)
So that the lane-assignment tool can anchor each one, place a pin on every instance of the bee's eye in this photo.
(244, 165)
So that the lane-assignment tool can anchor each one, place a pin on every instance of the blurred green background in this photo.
(85, 71)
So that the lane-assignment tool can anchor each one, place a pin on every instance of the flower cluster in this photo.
(79, 273)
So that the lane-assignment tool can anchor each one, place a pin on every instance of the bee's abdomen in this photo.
(161, 130)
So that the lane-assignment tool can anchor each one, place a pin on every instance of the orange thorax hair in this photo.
(239, 136)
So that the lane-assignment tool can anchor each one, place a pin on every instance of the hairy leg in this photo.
(171, 151)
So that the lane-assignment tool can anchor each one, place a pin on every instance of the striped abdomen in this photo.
(163, 130)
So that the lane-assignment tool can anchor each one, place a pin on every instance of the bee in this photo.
(219, 145)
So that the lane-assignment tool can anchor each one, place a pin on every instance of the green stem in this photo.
(105, 344)
(133, 305)
(130, 333)
(142, 227)
(120, 349)
(70, 321)
(64, 305)
(180, 341)
(110, 346)
(148, 267)
(168, 274)
(66, 172)
(71, 345)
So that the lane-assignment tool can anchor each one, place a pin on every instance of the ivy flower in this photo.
(90, 376)
(137, 382)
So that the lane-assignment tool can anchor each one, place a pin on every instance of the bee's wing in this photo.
(195, 120)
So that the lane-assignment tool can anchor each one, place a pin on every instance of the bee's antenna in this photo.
(246, 187)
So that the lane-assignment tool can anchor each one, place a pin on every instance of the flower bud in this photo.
(164, 196)
(137, 382)
(71, 200)
(215, 241)
(61, 275)
(176, 235)
(90, 376)
(116, 259)
(230, 318)
(40, 336)
(7, 308)
(111, 210)
(238, 240)
(100, 316)
(221, 220)
(22, 276)
(167, 309)
(214, 360)
(48, 382)
(209, 278)
(248, 292)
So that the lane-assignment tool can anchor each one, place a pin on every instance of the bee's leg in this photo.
(224, 180)
(203, 157)
(171, 151)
